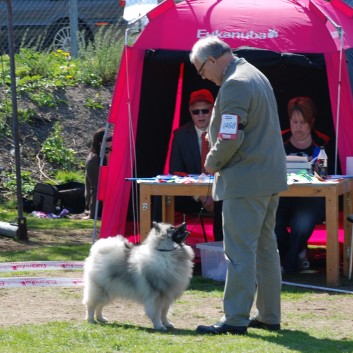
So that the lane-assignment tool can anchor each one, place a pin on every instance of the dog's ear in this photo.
(156, 226)
(181, 227)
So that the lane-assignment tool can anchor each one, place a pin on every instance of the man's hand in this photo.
(209, 170)
(207, 203)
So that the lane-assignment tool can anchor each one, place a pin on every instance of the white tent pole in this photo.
(338, 111)
(132, 144)
(316, 287)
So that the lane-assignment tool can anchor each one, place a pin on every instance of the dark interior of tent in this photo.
(291, 75)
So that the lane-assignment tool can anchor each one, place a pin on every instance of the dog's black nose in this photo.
(179, 233)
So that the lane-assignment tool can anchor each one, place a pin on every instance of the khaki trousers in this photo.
(254, 265)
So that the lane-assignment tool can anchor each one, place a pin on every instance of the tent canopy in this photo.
(304, 47)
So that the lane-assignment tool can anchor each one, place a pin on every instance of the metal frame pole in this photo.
(22, 223)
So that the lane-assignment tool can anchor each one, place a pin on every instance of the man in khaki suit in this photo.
(248, 160)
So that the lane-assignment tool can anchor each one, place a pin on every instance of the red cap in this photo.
(201, 95)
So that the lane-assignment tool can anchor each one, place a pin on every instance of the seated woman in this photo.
(297, 216)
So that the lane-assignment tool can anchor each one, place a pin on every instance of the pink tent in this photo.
(305, 47)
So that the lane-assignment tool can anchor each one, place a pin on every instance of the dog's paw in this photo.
(160, 327)
(102, 320)
(168, 324)
(91, 321)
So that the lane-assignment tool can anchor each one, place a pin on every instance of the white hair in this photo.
(208, 46)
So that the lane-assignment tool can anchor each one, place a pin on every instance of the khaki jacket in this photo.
(253, 164)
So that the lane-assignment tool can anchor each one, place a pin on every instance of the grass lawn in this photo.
(52, 319)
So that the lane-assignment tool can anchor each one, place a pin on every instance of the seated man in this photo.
(188, 156)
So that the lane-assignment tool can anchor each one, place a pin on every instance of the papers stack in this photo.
(298, 163)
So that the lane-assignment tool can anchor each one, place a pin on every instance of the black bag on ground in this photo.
(72, 196)
(54, 198)
(45, 198)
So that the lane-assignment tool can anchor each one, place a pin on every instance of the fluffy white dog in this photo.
(155, 273)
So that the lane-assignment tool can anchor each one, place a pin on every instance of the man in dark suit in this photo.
(186, 156)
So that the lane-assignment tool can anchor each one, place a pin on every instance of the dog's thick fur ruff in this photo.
(155, 273)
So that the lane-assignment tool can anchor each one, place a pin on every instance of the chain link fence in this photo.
(53, 87)
(47, 24)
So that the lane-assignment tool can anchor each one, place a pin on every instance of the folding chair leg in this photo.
(350, 219)
(351, 256)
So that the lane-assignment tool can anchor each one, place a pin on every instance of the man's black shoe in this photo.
(254, 323)
(221, 328)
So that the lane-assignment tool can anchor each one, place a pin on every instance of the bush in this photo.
(55, 151)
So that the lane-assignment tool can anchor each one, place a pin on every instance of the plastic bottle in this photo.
(322, 163)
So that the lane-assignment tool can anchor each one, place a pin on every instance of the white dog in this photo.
(155, 273)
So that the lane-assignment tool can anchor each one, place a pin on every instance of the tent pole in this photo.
(340, 31)
(21, 219)
(132, 147)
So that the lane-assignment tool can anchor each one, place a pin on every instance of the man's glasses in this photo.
(201, 68)
(108, 149)
(200, 71)
(200, 111)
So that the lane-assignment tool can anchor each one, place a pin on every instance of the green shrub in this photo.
(100, 59)
(9, 183)
(5, 114)
(94, 103)
(56, 152)
(63, 176)
(26, 115)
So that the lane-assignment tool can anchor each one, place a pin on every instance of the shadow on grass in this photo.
(295, 340)
(205, 285)
(303, 342)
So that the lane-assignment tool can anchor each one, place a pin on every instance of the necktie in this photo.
(204, 151)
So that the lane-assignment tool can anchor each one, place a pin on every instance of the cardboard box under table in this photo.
(213, 262)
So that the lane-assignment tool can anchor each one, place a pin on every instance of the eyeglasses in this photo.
(200, 71)
(108, 149)
(200, 111)
(201, 68)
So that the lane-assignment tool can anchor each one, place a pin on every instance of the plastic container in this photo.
(213, 262)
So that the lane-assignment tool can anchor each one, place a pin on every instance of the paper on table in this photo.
(301, 159)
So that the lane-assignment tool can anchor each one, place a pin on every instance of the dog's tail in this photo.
(112, 245)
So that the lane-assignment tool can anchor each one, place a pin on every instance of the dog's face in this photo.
(179, 233)
(168, 234)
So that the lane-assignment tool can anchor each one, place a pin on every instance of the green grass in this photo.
(53, 253)
(33, 223)
(77, 337)
(65, 337)
(311, 324)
